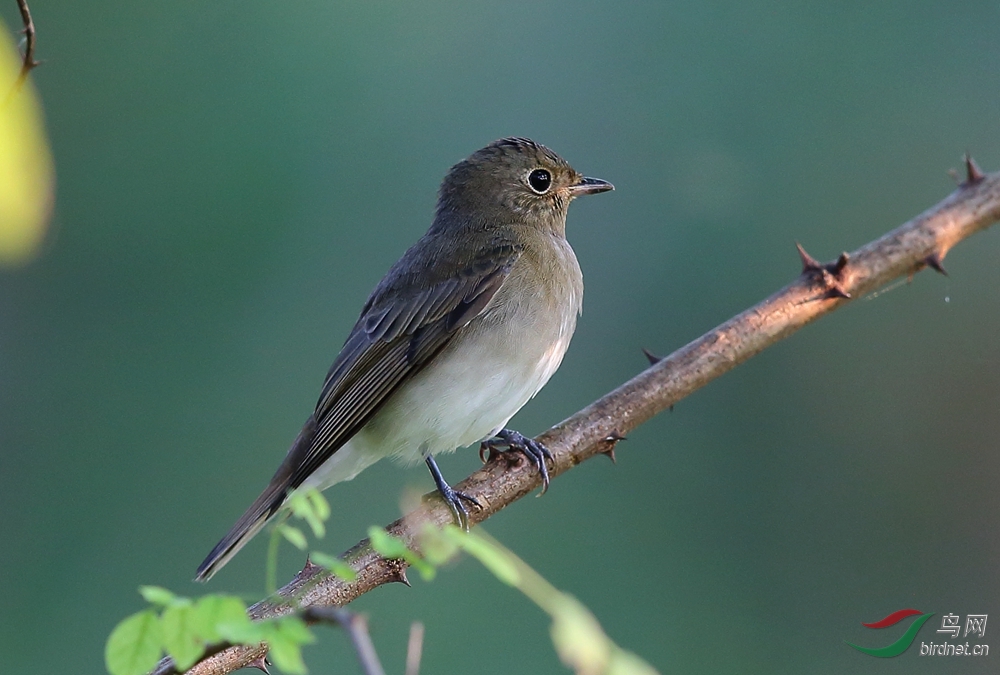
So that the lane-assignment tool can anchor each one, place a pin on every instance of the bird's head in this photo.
(512, 180)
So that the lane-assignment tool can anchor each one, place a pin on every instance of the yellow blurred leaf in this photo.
(26, 171)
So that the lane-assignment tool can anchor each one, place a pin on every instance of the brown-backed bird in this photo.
(463, 330)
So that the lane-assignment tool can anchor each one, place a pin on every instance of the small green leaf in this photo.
(316, 525)
(294, 536)
(320, 505)
(295, 629)
(387, 545)
(156, 595)
(426, 570)
(492, 558)
(213, 610)
(134, 645)
(311, 507)
(242, 630)
(179, 634)
(335, 565)
(286, 653)
(437, 548)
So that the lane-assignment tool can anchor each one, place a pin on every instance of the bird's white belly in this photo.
(469, 395)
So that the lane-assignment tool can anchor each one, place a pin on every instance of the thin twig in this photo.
(29, 62)
(357, 628)
(819, 290)
(414, 648)
(29, 38)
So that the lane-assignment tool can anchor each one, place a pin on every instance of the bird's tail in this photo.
(263, 508)
(249, 524)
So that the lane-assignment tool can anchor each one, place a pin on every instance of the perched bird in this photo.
(463, 330)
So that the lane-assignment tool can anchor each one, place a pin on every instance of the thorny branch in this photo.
(29, 62)
(820, 289)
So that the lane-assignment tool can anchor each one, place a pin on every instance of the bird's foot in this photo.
(508, 439)
(453, 498)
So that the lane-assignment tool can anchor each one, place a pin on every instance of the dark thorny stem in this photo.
(29, 62)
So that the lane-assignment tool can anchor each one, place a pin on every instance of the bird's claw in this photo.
(508, 439)
(456, 502)
(452, 497)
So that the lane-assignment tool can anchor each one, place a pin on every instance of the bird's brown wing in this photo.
(393, 340)
(400, 330)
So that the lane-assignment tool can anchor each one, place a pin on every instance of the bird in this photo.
(464, 329)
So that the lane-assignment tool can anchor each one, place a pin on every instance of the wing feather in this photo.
(391, 342)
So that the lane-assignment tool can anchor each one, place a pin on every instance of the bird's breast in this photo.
(491, 367)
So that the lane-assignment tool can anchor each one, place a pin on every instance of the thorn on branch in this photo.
(841, 262)
(612, 441)
(973, 174)
(934, 262)
(831, 277)
(809, 263)
(399, 574)
(651, 357)
(309, 568)
(260, 663)
(836, 290)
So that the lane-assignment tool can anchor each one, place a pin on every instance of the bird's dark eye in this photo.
(540, 181)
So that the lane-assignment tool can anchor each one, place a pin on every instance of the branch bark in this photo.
(820, 289)
(29, 63)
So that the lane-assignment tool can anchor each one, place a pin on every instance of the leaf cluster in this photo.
(183, 628)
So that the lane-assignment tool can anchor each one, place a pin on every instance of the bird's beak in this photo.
(590, 186)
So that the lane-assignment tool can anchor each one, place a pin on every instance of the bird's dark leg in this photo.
(452, 497)
(508, 439)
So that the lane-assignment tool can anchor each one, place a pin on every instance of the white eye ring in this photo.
(540, 180)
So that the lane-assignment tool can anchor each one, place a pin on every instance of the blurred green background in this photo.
(234, 177)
